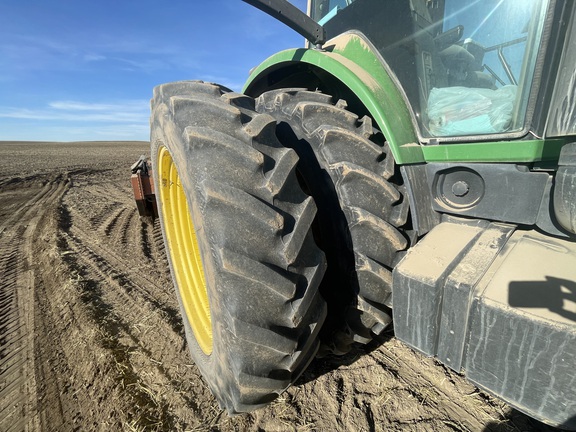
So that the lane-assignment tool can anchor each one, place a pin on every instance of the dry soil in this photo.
(91, 337)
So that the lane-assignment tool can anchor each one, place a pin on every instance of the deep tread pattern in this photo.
(262, 266)
(368, 214)
(255, 273)
(268, 341)
(374, 279)
(365, 228)
(284, 166)
(358, 187)
(293, 241)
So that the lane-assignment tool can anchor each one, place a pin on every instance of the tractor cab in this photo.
(466, 67)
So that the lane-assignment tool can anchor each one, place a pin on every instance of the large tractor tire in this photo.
(349, 170)
(237, 227)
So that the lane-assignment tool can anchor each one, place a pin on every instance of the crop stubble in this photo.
(91, 337)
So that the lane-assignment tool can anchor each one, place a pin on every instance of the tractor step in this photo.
(498, 305)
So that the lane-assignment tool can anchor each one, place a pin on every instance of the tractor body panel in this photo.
(499, 305)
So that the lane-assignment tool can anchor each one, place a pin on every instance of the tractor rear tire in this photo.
(349, 170)
(237, 227)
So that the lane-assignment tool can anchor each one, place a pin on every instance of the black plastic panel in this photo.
(565, 189)
(502, 192)
(424, 217)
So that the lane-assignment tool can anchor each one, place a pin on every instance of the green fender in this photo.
(371, 83)
(355, 63)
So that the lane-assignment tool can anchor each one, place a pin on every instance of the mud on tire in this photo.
(252, 223)
(349, 170)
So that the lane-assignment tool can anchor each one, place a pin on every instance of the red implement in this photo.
(143, 187)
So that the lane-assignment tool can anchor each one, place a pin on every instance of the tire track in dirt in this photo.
(129, 230)
(102, 291)
(111, 221)
(123, 241)
(26, 207)
(17, 374)
(128, 282)
(129, 295)
(145, 241)
(11, 363)
(157, 247)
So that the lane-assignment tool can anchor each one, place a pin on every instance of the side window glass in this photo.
(488, 71)
(466, 66)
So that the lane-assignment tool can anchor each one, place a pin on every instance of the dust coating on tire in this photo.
(252, 224)
(349, 170)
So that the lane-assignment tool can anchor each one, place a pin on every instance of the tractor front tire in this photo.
(237, 227)
(349, 170)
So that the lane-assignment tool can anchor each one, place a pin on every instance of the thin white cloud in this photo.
(130, 105)
(94, 57)
(132, 111)
(25, 114)
(51, 132)
(43, 42)
(127, 45)
(32, 53)
(70, 120)
(148, 65)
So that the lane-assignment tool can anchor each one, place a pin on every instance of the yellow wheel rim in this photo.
(184, 251)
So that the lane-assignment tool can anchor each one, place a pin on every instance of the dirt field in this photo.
(90, 331)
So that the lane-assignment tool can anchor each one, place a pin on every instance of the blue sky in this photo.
(85, 70)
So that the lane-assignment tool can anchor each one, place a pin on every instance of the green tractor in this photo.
(415, 163)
